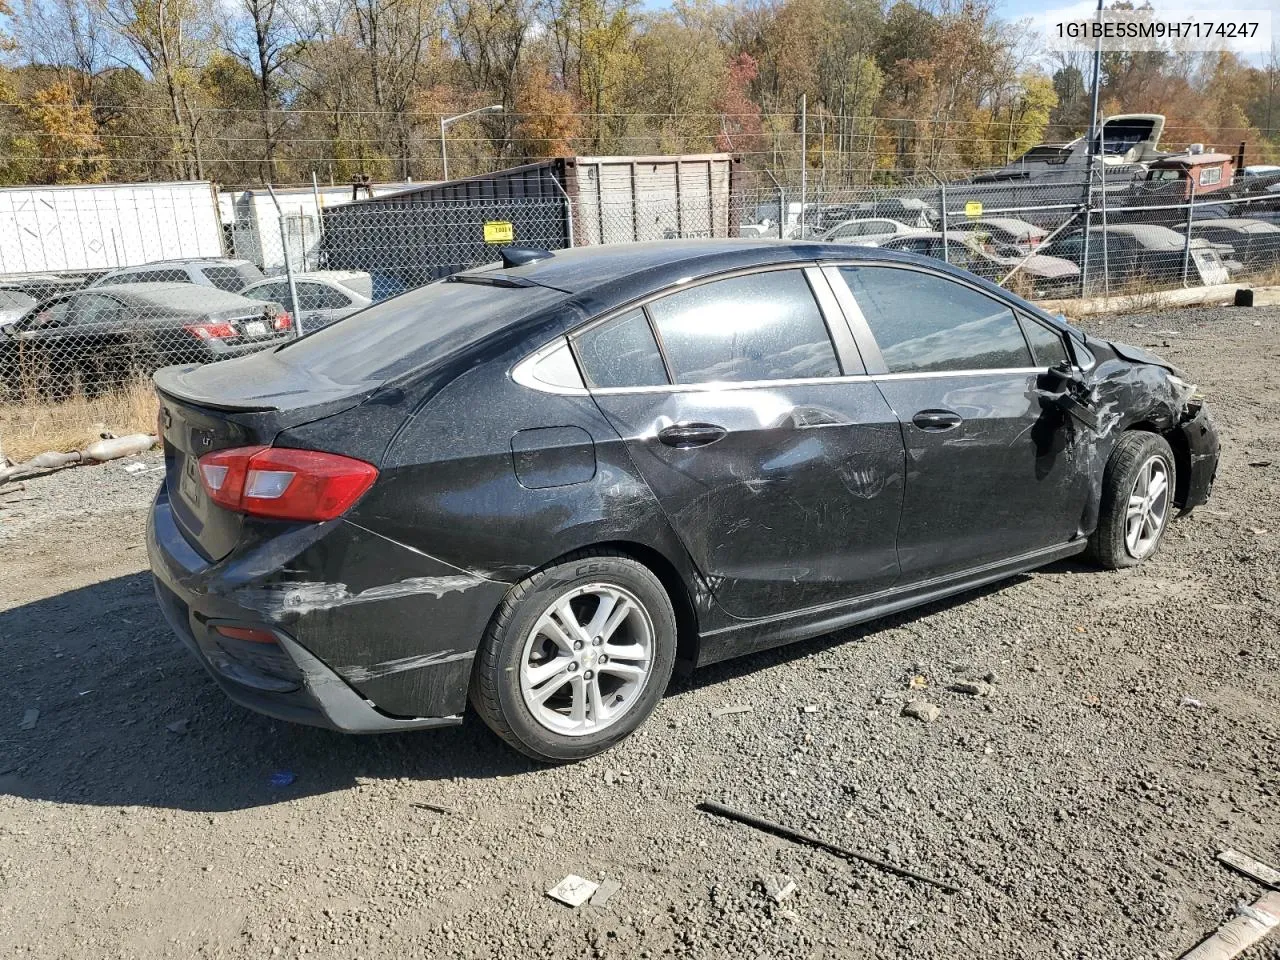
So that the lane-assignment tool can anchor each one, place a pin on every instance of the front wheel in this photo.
(1137, 501)
(576, 658)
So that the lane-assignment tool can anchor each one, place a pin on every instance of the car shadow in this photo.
(126, 717)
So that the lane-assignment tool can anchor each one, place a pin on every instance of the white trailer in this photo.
(102, 227)
(253, 224)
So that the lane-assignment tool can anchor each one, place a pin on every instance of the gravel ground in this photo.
(1078, 805)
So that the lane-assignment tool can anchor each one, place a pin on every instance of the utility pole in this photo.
(1097, 84)
(804, 156)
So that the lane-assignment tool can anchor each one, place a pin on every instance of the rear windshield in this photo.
(232, 279)
(395, 336)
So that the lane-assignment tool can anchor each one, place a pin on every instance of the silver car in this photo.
(324, 296)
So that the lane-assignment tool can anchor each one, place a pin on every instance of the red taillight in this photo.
(284, 483)
(283, 321)
(211, 331)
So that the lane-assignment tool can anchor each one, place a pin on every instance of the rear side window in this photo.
(226, 278)
(926, 323)
(765, 326)
(1047, 348)
(621, 353)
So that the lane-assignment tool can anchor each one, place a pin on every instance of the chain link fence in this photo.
(137, 281)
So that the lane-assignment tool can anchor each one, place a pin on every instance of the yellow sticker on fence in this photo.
(499, 231)
(973, 209)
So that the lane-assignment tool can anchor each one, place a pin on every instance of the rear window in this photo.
(763, 326)
(622, 353)
(396, 336)
(231, 279)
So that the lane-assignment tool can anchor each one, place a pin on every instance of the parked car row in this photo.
(60, 334)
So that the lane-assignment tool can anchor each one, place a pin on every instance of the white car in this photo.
(868, 232)
(324, 296)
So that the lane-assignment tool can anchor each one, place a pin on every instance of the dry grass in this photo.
(29, 428)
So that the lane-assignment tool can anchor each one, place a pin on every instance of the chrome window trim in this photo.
(522, 371)
(524, 374)
(818, 381)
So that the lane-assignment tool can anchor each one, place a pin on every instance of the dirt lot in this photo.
(1078, 806)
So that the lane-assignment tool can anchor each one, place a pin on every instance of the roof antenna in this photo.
(519, 256)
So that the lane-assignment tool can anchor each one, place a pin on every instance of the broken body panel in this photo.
(821, 506)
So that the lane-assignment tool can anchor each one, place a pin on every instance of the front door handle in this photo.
(936, 421)
(685, 435)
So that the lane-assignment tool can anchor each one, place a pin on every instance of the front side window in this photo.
(1047, 348)
(763, 326)
(926, 323)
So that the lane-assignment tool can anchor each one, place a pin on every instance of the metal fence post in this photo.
(942, 199)
(1186, 245)
(288, 265)
(1106, 246)
(1088, 211)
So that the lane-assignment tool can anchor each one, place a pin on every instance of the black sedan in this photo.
(540, 485)
(96, 338)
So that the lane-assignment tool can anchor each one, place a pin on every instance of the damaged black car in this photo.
(541, 485)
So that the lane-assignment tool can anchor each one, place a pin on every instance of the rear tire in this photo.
(1137, 501)
(576, 657)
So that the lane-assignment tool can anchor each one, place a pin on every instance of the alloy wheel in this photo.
(1148, 508)
(587, 659)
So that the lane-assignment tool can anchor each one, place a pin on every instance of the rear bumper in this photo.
(1201, 435)
(335, 663)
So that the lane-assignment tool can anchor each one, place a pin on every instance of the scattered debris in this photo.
(971, 688)
(178, 726)
(546, 830)
(106, 449)
(809, 708)
(827, 666)
(1265, 874)
(435, 808)
(611, 777)
(918, 682)
(1259, 463)
(606, 890)
(282, 778)
(777, 886)
(778, 830)
(993, 678)
(730, 711)
(1192, 702)
(1252, 925)
(135, 467)
(921, 710)
(29, 719)
(573, 890)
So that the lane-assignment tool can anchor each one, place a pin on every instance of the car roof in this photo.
(1243, 224)
(320, 276)
(656, 264)
(602, 278)
(1012, 224)
(1150, 235)
(190, 261)
(175, 296)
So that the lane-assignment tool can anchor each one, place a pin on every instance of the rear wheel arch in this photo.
(669, 575)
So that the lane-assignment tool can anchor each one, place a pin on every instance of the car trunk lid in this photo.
(223, 405)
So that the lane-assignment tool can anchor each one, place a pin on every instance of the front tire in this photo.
(576, 657)
(1137, 501)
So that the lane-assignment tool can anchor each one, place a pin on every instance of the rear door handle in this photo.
(685, 435)
(936, 421)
